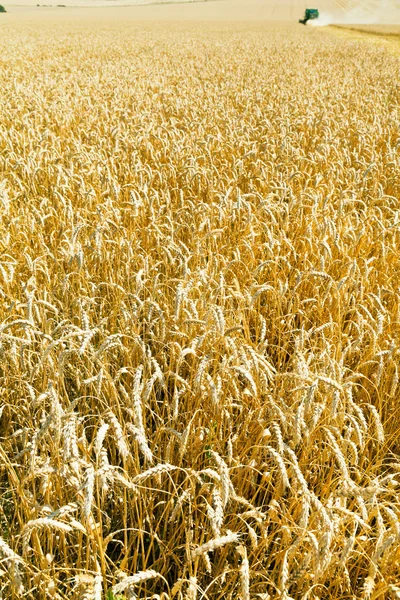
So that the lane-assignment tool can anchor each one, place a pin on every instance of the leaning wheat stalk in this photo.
(130, 582)
(210, 546)
(42, 523)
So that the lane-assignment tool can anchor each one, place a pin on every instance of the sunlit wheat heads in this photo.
(199, 313)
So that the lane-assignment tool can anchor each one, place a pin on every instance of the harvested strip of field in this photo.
(380, 30)
(199, 312)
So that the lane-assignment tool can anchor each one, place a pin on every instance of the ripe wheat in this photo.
(199, 313)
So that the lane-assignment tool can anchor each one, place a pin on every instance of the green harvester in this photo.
(309, 15)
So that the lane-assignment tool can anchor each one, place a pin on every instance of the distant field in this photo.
(332, 11)
(18, 4)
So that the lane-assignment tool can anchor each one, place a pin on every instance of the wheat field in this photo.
(199, 314)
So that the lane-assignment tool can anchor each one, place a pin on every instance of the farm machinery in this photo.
(309, 15)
